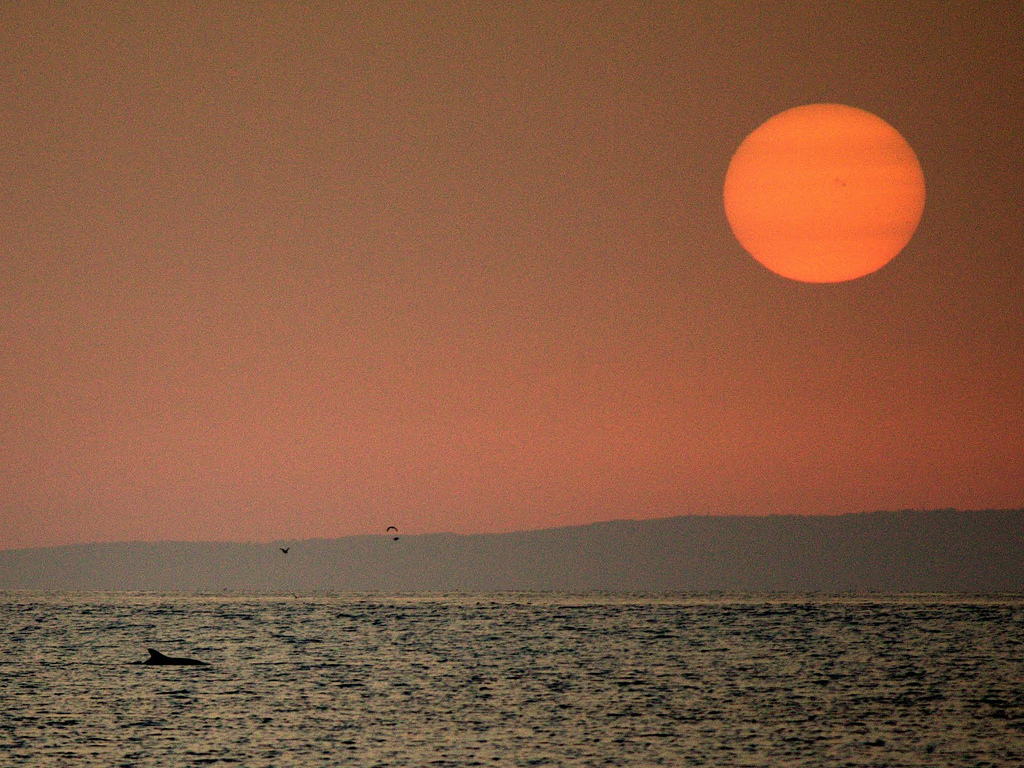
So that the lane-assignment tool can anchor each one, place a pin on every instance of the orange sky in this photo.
(279, 272)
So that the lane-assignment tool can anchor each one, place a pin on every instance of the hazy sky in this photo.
(293, 270)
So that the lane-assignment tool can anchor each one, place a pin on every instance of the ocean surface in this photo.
(511, 679)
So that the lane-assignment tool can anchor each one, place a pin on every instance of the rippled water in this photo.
(511, 680)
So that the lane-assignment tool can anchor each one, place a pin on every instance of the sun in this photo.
(824, 193)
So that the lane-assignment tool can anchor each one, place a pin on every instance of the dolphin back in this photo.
(155, 657)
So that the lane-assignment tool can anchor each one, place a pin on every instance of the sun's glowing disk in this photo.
(824, 193)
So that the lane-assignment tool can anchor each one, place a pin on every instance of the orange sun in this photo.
(824, 193)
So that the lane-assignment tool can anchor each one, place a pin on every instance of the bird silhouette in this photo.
(284, 549)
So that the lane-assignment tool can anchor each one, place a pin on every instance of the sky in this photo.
(281, 271)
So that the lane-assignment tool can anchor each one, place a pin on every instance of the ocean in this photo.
(512, 679)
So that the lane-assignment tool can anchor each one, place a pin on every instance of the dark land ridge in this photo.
(904, 551)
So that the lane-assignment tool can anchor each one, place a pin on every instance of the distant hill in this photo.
(907, 551)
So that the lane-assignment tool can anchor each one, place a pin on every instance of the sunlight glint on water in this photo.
(511, 679)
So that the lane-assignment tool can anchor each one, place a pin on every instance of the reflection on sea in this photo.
(512, 679)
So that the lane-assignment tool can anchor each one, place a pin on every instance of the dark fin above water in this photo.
(155, 657)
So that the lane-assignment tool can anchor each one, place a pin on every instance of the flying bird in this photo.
(284, 549)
